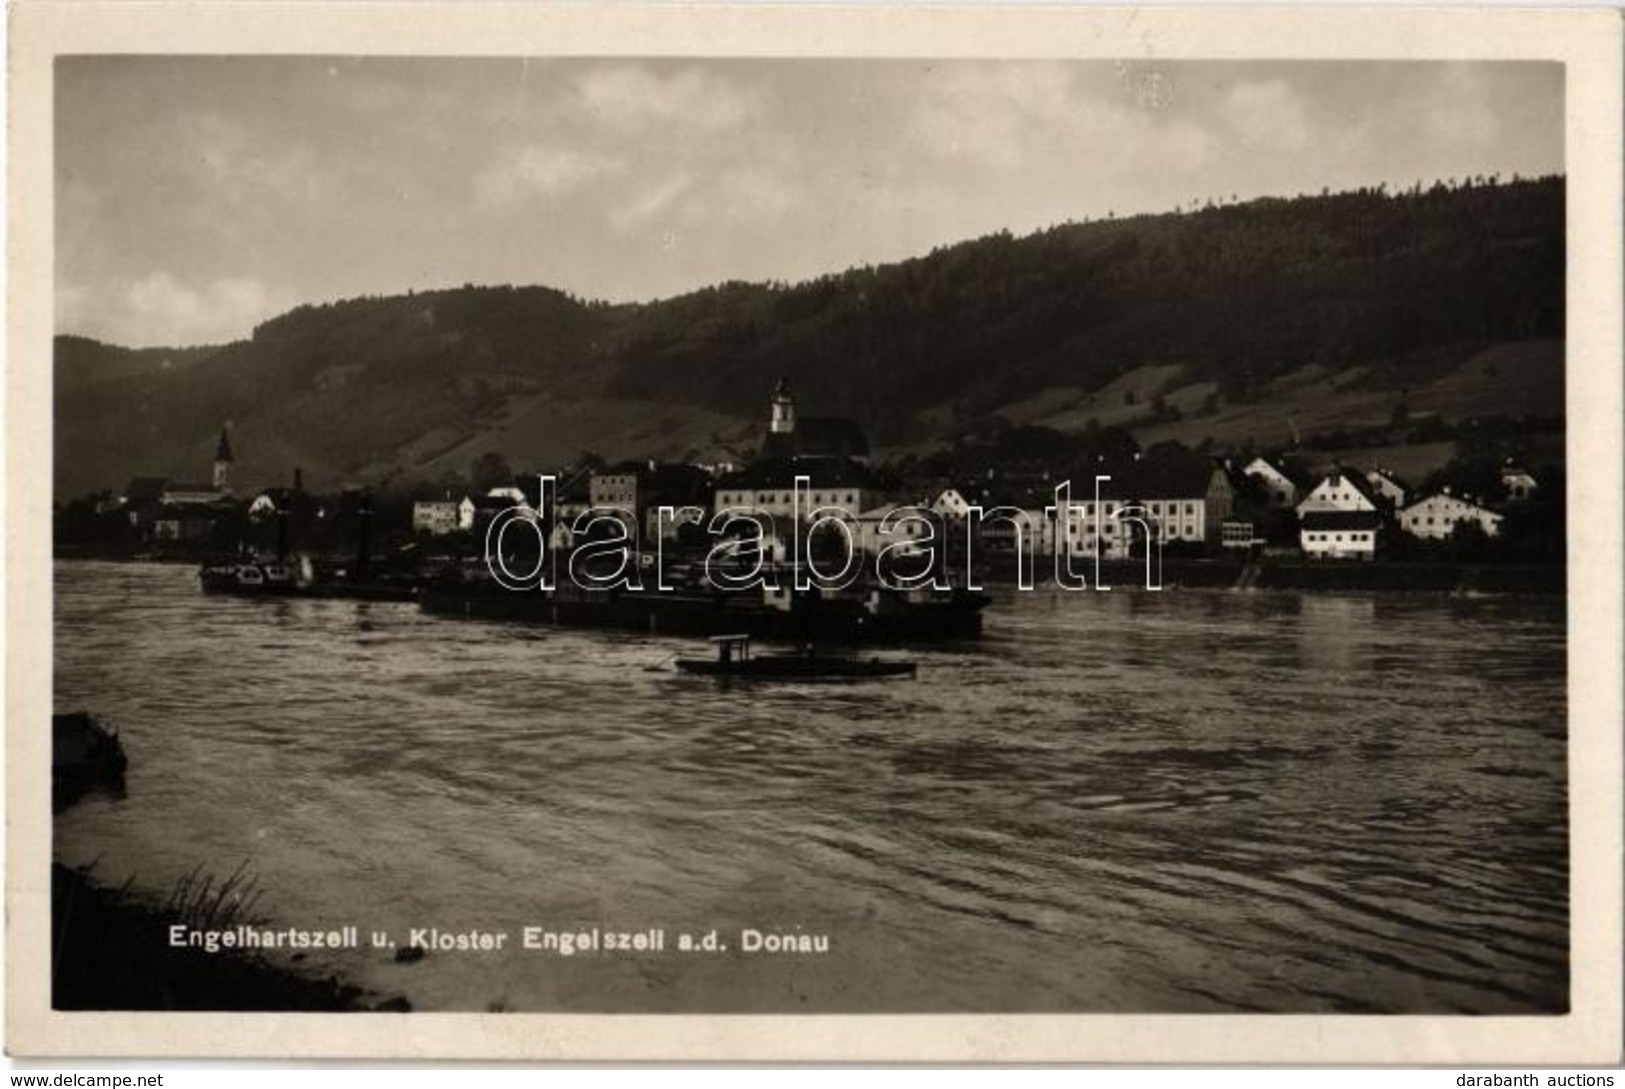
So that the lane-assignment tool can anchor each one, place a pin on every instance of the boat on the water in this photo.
(252, 578)
(861, 614)
(290, 573)
(734, 659)
(248, 579)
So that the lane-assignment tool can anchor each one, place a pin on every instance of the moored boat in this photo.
(248, 579)
(279, 579)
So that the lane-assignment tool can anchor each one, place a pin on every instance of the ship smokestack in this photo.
(282, 505)
(363, 530)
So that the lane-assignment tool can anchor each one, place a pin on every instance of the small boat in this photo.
(249, 579)
(734, 659)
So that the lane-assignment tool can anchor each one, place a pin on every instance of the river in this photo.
(1115, 802)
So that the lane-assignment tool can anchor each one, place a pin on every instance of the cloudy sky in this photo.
(197, 196)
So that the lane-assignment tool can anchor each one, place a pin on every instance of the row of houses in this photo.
(1345, 513)
(1172, 497)
(1182, 498)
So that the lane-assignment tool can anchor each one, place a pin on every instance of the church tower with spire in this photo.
(222, 463)
(783, 419)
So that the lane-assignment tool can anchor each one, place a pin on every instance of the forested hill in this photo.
(1238, 295)
(1215, 312)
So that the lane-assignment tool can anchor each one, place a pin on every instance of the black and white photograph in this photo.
(697, 534)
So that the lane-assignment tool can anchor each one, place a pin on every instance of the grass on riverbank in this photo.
(110, 951)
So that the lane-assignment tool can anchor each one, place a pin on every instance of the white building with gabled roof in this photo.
(1386, 486)
(1341, 489)
(1282, 489)
(1436, 517)
(1518, 481)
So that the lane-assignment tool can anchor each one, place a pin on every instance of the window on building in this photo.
(1190, 508)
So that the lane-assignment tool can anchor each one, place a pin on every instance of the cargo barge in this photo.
(279, 579)
(861, 614)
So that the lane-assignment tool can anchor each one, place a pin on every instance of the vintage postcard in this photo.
(814, 533)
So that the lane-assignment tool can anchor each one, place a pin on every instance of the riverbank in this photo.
(1225, 573)
(1326, 575)
(1445, 578)
(110, 951)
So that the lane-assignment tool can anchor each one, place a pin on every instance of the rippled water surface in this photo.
(1121, 801)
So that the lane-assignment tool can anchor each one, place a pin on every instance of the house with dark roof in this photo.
(1519, 482)
(1175, 497)
(1388, 488)
(768, 486)
(161, 509)
(144, 490)
(141, 500)
(638, 489)
(817, 437)
(184, 495)
(1014, 514)
(831, 452)
(188, 512)
(1282, 481)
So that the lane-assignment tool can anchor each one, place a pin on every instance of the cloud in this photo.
(243, 168)
(628, 97)
(1464, 113)
(191, 189)
(1027, 120)
(71, 309)
(986, 113)
(650, 203)
(160, 309)
(756, 192)
(541, 171)
(1267, 114)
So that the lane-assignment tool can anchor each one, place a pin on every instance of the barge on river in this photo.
(863, 613)
(279, 579)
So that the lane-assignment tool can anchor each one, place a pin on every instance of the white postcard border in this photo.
(1588, 42)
